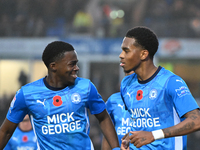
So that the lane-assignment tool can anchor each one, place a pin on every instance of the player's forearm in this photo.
(6, 131)
(108, 128)
(109, 132)
(105, 145)
(3, 139)
(189, 125)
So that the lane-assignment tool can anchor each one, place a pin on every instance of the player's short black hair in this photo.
(55, 51)
(145, 37)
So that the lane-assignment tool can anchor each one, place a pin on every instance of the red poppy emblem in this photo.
(139, 95)
(57, 101)
(25, 138)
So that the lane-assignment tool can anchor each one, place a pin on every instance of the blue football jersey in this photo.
(157, 103)
(59, 117)
(21, 140)
(120, 117)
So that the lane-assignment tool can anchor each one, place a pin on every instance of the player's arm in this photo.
(186, 107)
(109, 108)
(6, 131)
(189, 125)
(108, 128)
(16, 113)
(105, 145)
(98, 108)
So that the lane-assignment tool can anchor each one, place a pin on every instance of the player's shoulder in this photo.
(114, 98)
(82, 81)
(168, 74)
(165, 72)
(38, 82)
(129, 78)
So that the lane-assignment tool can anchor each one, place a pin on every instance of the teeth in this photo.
(75, 76)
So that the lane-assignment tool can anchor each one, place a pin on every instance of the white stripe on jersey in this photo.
(87, 127)
(178, 139)
(88, 122)
(31, 118)
(92, 147)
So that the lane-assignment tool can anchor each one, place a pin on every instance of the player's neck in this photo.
(25, 128)
(54, 82)
(146, 71)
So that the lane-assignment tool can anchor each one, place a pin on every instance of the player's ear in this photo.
(52, 66)
(144, 54)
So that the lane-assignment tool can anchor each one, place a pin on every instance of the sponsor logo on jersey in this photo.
(41, 102)
(129, 94)
(12, 103)
(182, 91)
(76, 98)
(153, 94)
(121, 106)
(61, 123)
(25, 148)
(177, 80)
(141, 117)
(125, 126)
(123, 130)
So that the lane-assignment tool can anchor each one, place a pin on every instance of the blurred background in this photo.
(96, 28)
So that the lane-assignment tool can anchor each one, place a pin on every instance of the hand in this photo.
(124, 145)
(140, 138)
(125, 142)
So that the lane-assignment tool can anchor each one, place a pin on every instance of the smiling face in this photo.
(66, 68)
(130, 55)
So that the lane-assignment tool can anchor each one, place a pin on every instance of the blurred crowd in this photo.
(63, 18)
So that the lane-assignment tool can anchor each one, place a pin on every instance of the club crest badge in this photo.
(76, 98)
(153, 94)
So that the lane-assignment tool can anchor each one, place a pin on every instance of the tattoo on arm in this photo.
(172, 132)
(167, 132)
(187, 126)
(192, 115)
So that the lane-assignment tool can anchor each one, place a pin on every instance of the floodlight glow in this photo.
(120, 13)
(113, 14)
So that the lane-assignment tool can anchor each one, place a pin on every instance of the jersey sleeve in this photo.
(95, 102)
(181, 95)
(18, 109)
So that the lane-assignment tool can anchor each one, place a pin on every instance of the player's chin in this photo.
(127, 71)
(72, 81)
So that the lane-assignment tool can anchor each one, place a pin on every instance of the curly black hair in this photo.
(55, 51)
(145, 37)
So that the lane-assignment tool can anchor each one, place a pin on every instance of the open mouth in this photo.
(122, 64)
(74, 75)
